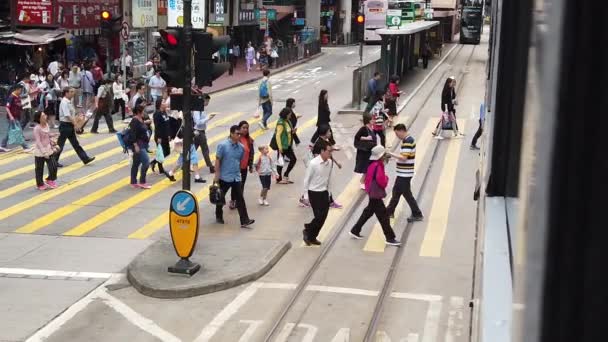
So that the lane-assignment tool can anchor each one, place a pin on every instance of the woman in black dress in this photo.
(365, 140)
(323, 117)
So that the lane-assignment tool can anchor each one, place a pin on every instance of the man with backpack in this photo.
(265, 98)
(103, 106)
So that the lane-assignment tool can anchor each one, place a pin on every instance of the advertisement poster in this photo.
(80, 14)
(175, 13)
(145, 13)
(35, 12)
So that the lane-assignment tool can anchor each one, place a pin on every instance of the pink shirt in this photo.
(376, 169)
(43, 145)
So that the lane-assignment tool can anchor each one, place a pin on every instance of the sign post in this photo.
(393, 18)
(183, 224)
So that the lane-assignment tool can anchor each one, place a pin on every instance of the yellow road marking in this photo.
(123, 206)
(30, 183)
(440, 210)
(375, 241)
(103, 192)
(161, 220)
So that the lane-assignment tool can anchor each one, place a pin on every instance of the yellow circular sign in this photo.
(180, 20)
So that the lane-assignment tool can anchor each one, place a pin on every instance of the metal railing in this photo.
(292, 54)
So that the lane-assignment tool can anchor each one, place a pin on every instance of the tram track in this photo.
(345, 219)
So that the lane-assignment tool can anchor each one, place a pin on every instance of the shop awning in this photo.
(33, 37)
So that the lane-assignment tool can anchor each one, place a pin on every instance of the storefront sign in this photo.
(271, 14)
(35, 12)
(145, 13)
(175, 13)
(162, 7)
(247, 17)
(263, 20)
(79, 14)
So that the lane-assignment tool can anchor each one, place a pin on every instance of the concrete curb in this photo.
(350, 111)
(273, 71)
(147, 273)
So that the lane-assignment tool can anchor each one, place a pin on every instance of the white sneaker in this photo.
(261, 125)
(4, 149)
(266, 203)
(438, 137)
(260, 201)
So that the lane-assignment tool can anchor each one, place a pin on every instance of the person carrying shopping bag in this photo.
(44, 153)
(282, 142)
(13, 114)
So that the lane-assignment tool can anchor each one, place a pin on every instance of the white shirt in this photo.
(128, 61)
(157, 81)
(66, 110)
(200, 120)
(317, 175)
(117, 90)
(53, 68)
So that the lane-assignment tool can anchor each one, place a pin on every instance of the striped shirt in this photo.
(408, 149)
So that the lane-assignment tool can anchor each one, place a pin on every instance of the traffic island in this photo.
(225, 263)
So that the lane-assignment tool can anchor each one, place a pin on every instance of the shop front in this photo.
(330, 21)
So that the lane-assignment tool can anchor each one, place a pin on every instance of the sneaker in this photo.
(113, 131)
(261, 125)
(415, 218)
(94, 132)
(248, 224)
(355, 236)
(232, 205)
(51, 184)
(335, 205)
(393, 242)
(59, 165)
(315, 242)
(260, 201)
(473, 147)
(28, 150)
(438, 137)
(4, 149)
(135, 186)
(199, 180)
(43, 187)
(266, 203)
(145, 186)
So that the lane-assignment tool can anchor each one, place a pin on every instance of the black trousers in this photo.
(315, 136)
(319, 201)
(235, 187)
(375, 206)
(120, 103)
(425, 62)
(477, 134)
(243, 180)
(67, 132)
(51, 163)
(292, 162)
(382, 136)
(403, 187)
(106, 114)
(200, 140)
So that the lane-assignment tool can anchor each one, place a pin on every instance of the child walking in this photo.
(379, 118)
(44, 152)
(266, 168)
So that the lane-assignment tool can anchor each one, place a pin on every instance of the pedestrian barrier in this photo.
(292, 54)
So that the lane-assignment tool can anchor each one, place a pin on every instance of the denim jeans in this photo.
(140, 158)
(267, 108)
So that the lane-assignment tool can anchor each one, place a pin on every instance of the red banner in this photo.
(35, 12)
(79, 14)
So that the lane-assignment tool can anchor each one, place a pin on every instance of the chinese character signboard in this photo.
(175, 13)
(80, 14)
(247, 17)
(144, 13)
(35, 12)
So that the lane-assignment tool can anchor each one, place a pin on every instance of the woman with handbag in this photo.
(376, 182)
(365, 140)
(44, 152)
(283, 143)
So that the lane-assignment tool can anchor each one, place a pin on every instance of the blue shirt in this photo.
(200, 119)
(230, 154)
(372, 85)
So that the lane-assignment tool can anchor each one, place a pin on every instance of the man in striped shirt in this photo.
(405, 172)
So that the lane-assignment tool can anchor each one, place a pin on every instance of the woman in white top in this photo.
(119, 95)
(49, 89)
(62, 80)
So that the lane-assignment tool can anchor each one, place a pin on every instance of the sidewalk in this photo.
(240, 75)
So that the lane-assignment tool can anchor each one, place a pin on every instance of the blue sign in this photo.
(183, 203)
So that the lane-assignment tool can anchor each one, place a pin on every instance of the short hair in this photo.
(37, 116)
(138, 109)
(400, 127)
(261, 148)
(290, 101)
(159, 102)
(65, 91)
(234, 128)
(140, 85)
(367, 118)
(377, 73)
(266, 72)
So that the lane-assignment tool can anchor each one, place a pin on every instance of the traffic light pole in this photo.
(187, 129)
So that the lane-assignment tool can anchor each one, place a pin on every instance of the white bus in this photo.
(375, 18)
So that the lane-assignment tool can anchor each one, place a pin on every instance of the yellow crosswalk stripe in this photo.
(162, 220)
(375, 241)
(123, 206)
(440, 210)
(64, 171)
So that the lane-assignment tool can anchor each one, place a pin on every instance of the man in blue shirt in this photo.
(201, 119)
(372, 88)
(228, 175)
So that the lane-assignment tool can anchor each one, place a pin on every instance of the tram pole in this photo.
(187, 129)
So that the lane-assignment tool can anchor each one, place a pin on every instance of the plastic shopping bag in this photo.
(280, 161)
(258, 112)
(15, 134)
(160, 156)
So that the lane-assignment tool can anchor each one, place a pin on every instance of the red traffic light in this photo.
(105, 15)
(360, 19)
(169, 38)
